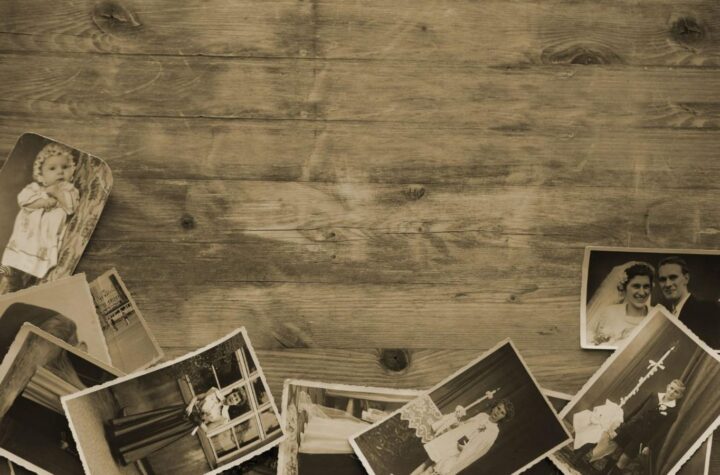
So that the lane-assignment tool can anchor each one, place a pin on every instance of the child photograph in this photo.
(51, 197)
(204, 412)
(320, 417)
(36, 373)
(622, 286)
(648, 408)
(488, 417)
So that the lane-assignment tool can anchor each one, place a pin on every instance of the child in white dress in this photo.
(45, 204)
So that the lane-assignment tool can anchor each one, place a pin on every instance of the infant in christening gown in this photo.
(35, 242)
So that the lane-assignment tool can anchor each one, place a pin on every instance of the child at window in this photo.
(45, 204)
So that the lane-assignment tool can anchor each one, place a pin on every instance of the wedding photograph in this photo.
(38, 370)
(51, 198)
(648, 408)
(201, 413)
(320, 417)
(622, 286)
(63, 308)
(488, 417)
(130, 341)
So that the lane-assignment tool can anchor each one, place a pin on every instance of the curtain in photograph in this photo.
(699, 408)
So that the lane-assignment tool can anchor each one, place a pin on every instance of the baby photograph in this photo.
(648, 408)
(36, 373)
(489, 417)
(622, 286)
(320, 417)
(51, 197)
(204, 412)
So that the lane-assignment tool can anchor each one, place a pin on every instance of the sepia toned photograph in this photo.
(558, 401)
(622, 286)
(38, 370)
(648, 408)
(319, 419)
(51, 197)
(203, 412)
(63, 308)
(488, 417)
(130, 341)
(699, 462)
(9, 468)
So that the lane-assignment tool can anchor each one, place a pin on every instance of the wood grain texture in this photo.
(412, 154)
(513, 100)
(497, 32)
(344, 178)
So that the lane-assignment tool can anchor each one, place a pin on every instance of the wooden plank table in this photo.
(378, 191)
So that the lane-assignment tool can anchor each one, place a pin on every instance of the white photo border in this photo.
(136, 374)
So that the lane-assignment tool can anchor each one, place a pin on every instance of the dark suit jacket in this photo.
(703, 319)
(648, 424)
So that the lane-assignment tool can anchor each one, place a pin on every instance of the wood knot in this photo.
(414, 193)
(394, 360)
(187, 222)
(584, 54)
(112, 17)
(687, 31)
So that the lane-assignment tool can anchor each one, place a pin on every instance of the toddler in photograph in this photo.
(45, 205)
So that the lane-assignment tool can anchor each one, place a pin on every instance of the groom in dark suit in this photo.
(700, 316)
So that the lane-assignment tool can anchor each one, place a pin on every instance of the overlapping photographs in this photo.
(622, 286)
(51, 197)
(649, 407)
(38, 370)
(558, 401)
(489, 417)
(63, 308)
(129, 340)
(204, 412)
(320, 417)
(699, 462)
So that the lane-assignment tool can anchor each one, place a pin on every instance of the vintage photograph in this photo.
(699, 462)
(51, 197)
(320, 417)
(649, 406)
(37, 371)
(558, 401)
(204, 412)
(9, 468)
(63, 308)
(622, 286)
(488, 417)
(129, 340)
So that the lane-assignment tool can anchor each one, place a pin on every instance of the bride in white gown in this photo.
(620, 303)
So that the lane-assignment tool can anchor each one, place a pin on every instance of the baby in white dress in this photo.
(45, 205)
